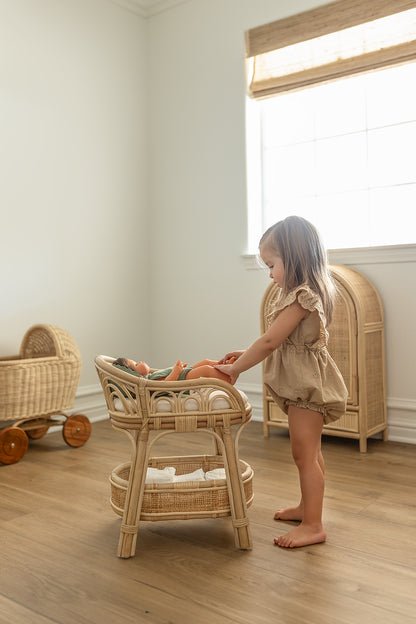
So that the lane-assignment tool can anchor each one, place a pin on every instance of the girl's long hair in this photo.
(304, 259)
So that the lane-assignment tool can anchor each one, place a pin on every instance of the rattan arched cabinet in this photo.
(357, 345)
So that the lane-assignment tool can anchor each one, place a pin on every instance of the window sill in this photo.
(359, 255)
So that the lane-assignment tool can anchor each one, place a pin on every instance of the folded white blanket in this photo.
(216, 473)
(197, 475)
(167, 475)
(156, 475)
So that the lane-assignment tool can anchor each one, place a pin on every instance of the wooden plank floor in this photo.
(58, 540)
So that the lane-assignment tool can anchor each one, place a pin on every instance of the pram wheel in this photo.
(76, 430)
(13, 445)
(39, 432)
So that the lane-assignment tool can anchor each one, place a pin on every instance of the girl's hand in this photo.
(234, 354)
(228, 369)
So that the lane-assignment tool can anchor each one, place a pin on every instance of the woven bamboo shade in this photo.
(332, 41)
(356, 343)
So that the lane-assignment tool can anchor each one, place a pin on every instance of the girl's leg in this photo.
(305, 427)
(296, 513)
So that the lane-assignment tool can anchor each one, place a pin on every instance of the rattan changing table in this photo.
(135, 407)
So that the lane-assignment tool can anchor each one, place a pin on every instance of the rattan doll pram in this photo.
(36, 387)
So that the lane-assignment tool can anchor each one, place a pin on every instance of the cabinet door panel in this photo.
(348, 422)
(342, 344)
(276, 414)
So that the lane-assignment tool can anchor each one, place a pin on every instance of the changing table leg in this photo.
(217, 446)
(134, 498)
(236, 494)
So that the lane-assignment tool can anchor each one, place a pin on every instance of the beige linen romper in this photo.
(301, 372)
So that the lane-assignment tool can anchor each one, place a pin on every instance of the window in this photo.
(338, 151)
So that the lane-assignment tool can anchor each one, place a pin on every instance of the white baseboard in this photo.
(90, 401)
(401, 413)
(401, 418)
(254, 394)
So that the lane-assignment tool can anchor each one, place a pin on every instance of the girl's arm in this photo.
(282, 327)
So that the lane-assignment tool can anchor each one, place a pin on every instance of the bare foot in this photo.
(302, 535)
(290, 513)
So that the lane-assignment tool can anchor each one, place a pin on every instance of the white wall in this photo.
(73, 175)
(123, 212)
(204, 302)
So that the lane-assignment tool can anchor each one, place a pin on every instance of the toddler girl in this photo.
(299, 373)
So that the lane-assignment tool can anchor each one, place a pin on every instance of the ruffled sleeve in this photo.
(306, 297)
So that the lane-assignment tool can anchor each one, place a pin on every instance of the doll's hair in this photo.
(121, 361)
(304, 259)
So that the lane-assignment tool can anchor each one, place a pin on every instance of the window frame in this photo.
(316, 22)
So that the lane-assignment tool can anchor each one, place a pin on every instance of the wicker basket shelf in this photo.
(184, 500)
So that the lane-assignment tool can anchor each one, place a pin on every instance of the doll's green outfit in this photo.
(164, 372)
(300, 371)
(158, 374)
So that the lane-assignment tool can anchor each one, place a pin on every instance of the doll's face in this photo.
(140, 367)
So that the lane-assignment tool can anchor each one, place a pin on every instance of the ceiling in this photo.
(148, 8)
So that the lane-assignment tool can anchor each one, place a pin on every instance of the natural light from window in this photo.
(340, 154)
(343, 44)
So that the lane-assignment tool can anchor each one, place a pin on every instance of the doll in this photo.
(178, 372)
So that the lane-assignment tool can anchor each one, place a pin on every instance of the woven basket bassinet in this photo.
(43, 378)
(181, 500)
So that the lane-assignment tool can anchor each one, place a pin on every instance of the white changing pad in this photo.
(219, 401)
